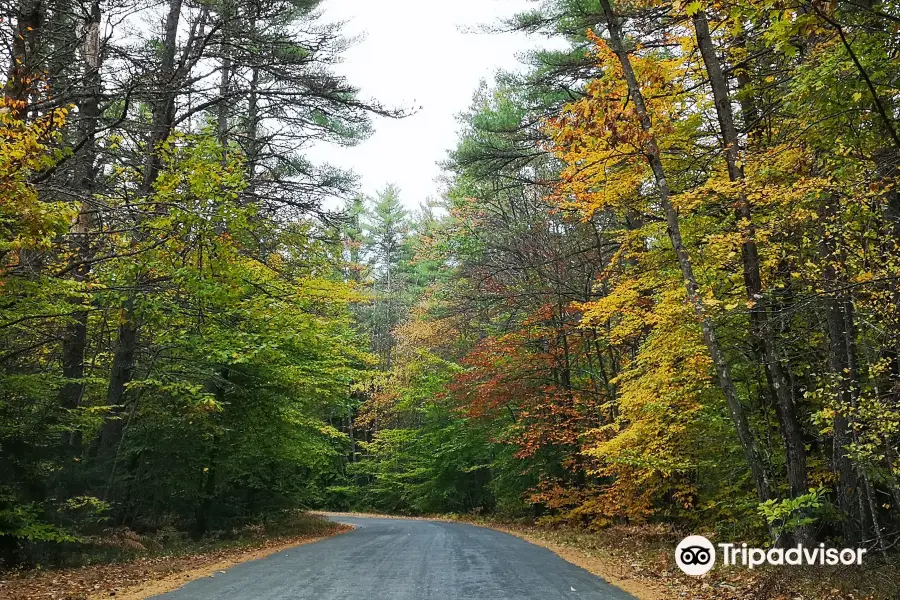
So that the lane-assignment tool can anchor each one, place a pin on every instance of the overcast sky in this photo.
(417, 53)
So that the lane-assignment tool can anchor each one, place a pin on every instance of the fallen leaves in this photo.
(143, 577)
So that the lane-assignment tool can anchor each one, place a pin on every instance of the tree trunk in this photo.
(895, 489)
(122, 373)
(225, 79)
(164, 104)
(761, 322)
(252, 148)
(75, 338)
(163, 118)
(839, 365)
(25, 43)
(873, 509)
(723, 370)
(201, 525)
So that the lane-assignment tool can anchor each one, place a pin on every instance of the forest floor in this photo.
(640, 560)
(134, 573)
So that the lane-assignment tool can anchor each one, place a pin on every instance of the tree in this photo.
(386, 228)
(667, 262)
(164, 252)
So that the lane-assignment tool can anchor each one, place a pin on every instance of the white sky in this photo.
(417, 53)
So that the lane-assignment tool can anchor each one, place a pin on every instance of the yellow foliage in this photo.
(27, 221)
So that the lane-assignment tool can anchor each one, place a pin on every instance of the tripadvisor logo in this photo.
(696, 555)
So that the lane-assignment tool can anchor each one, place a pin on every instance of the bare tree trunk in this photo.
(251, 145)
(62, 36)
(873, 509)
(25, 43)
(163, 118)
(853, 373)
(75, 339)
(889, 457)
(225, 80)
(201, 520)
(761, 322)
(723, 370)
(352, 435)
(389, 339)
(253, 125)
(839, 365)
(164, 103)
(122, 373)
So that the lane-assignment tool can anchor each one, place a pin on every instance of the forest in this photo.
(660, 284)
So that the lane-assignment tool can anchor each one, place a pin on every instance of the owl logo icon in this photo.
(695, 555)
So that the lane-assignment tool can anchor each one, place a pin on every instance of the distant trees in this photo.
(385, 230)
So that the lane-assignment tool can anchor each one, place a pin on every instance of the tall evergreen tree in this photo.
(386, 228)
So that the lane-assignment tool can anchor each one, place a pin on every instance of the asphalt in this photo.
(395, 559)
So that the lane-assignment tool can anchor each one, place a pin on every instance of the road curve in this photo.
(396, 559)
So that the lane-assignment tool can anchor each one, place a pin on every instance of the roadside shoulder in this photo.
(612, 571)
(145, 576)
(178, 579)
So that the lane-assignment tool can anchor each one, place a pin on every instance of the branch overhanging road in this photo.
(397, 559)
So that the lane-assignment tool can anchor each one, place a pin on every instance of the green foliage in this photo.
(179, 348)
(25, 522)
(248, 359)
(790, 514)
(443, 466)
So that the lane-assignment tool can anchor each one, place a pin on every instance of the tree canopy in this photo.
(660, 284)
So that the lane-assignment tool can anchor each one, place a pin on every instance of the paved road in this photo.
(393, 559)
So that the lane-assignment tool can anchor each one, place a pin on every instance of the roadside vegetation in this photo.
(124, 564)
(638, 559)
(658, 293)
(177, 340)
(664, 288)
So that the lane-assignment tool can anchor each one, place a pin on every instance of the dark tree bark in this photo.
(123, 365)
(75, 338)
(652, 153)
(25, 44)
(761, 321)
(839, 365)
(204, 510)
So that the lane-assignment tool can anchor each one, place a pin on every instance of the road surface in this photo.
(395, 559)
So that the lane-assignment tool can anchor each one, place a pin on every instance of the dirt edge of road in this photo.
(177, 580)
(613, 573)
(639, 560)
(146, 575)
